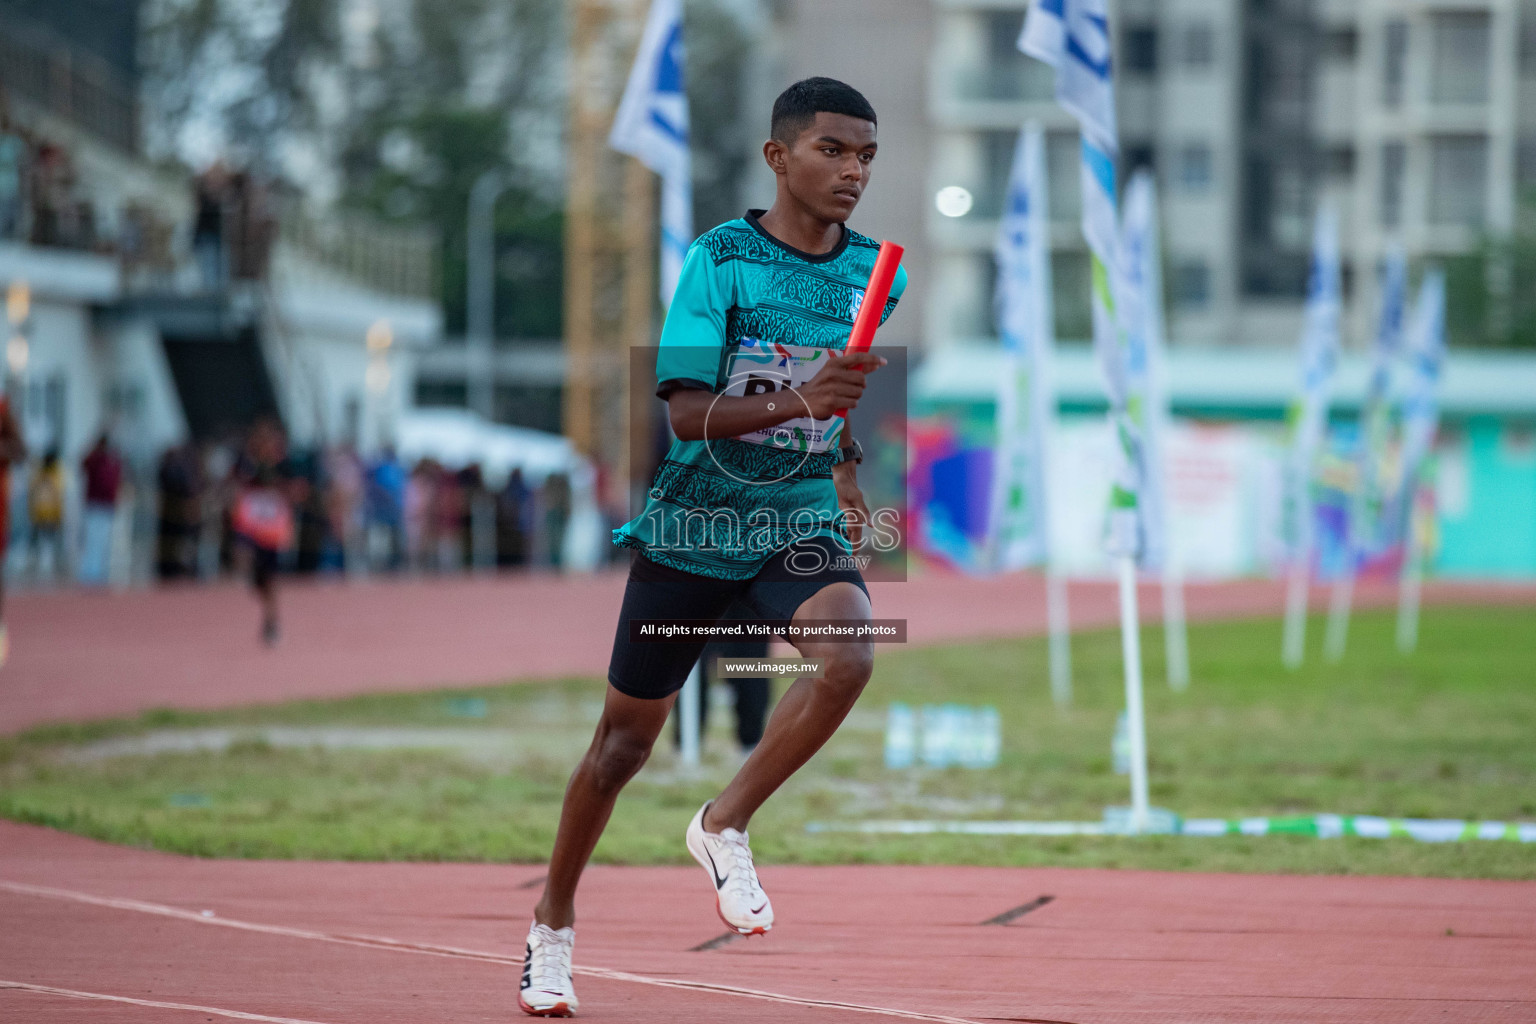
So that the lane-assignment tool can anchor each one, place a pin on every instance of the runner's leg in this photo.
(807, 715)
(625, 733)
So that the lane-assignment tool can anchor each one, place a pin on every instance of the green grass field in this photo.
(1446, 733)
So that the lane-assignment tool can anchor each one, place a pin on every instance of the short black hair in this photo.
(796, 108)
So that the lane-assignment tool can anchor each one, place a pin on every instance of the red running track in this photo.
(78, 656)
(307, 942)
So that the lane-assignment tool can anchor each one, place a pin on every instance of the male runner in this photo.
(744, 510)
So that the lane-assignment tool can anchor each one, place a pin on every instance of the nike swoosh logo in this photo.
(759, 910)
(719, 882)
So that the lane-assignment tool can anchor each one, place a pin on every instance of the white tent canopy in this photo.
(458, 438)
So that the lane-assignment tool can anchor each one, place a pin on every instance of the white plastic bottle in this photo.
(900, 737)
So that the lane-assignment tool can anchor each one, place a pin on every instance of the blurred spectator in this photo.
(213, 188)
(751, 695)
(13, 449)
(448, 522)
(386, 509)
(344, 505)
(479, 523)
(511, 521)
(181, 512)
(45, 508)
(312, 519)
(419, 491)
(103, 472)
(249, 227)
(555, 499)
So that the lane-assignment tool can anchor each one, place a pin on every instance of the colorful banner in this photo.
(1019, 525)
(1141, 305)
(1367, 511)
(1073, 37)
(1420, 404)
(652, 126)
(1319, 355)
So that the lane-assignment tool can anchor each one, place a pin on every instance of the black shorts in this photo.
(653, 669)
(264, 562)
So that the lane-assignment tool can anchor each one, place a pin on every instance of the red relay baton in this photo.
(875, 297)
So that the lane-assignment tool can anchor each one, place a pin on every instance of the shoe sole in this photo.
(558, 1010)
(762, 929)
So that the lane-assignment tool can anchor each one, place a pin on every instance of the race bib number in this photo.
(760, 368)
(263, 517)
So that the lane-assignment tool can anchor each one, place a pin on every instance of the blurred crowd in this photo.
(42, 203)
(350, 513)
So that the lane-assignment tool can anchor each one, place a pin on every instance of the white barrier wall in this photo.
(1223, 497)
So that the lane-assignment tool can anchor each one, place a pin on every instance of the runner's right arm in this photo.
(699, 415)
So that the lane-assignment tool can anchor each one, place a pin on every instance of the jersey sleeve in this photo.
(898, 286)
(693, 337)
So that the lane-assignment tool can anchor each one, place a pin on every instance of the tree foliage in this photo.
(1491, 292)
(389, 106)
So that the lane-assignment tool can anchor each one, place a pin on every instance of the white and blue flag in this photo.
(1141, 300)
(652, 126)
(1420, 403)
(1073, 37)
(1019, 526)
(1367, 515)
(1319, 356)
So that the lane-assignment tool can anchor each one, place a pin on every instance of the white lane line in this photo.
(157, 1004)
(429, 949)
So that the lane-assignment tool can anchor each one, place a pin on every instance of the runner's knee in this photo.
(617, 758)
(848, 668)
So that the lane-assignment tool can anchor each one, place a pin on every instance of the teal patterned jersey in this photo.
(752, 315)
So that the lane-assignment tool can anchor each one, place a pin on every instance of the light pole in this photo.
(18, 308)
(376, 378)
(480, 300)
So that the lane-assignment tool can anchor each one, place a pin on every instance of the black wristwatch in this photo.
(853, 451)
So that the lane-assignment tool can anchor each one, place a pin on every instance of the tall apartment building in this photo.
(1417, 118)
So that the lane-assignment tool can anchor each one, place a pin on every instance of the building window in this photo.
(1394, 63)
(1340, 44)
(1458, 180)
(1006, 74)
(1140, 49)
(1192, 284)
(1197, 46)
(1063, 170)
(1071, 289)
(1136, 156)
(1196, 168)
(1528, 45)
(1525, 164)
(1394, 163)
(1339, 161)
(453, 393)
(1459, 67)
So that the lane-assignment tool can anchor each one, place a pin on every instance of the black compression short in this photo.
(652, 670)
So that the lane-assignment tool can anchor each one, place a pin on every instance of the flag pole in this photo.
(1319, 349)
(1420, 418)
(1130, 649)
(1175, 629)
(1373, 411)
(1294, 646)
(1060, 630)
(1339, 608)
(1410, 583)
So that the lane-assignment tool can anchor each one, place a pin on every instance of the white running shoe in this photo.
(739, 898)
(547, 990)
